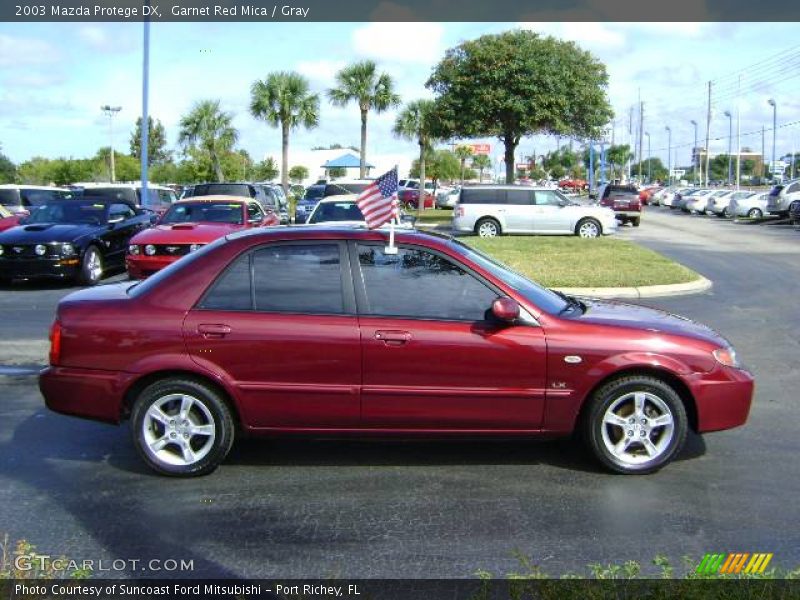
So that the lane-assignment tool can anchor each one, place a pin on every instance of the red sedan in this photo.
(410, 199)
(189, 225)
(322, 331)
(8, 219)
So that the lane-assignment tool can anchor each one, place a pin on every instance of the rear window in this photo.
(482, 196)
(315, 192)
(9, 197)
(336, 211)
(127, 195)
(224, 189)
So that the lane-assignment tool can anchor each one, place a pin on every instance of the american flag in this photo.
(378, 202)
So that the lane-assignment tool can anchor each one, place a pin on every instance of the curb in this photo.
(698, 286)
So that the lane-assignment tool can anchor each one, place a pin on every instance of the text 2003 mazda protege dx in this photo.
(322, 332)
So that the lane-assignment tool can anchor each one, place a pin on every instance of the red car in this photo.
(322, 331)
(573, 184)
(410, 199)
(189, 225)
(8, 219)
(645, 194)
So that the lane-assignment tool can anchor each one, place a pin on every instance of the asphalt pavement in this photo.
(432, 509)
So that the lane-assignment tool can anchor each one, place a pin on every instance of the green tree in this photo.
(463, 153)
(266, 170)
(440, 165)
(157, 152)
(481, 162)
(361, 83)
(284, 100)
(8, 172)
(211, 129)
(557, 171)
(415, 122)
(298, 173)
(658, 172)
(618, 156)
(518, 83)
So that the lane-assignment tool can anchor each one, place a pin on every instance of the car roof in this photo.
(337, 232)
(18, 186)
(123, 186)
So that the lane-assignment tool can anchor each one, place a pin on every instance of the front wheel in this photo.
(181, 427)
(91, 267)
(724, 214)
(588, 228)
(635, 425)
(755, 213)
(487, 228)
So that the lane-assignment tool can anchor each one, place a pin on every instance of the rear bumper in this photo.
(627, 214)
(723, 398)
(86, 393)
(142, 266)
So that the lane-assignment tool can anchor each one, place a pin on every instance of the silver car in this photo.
(492, 210)
(720, 205)
(753, 206)
(782, 197)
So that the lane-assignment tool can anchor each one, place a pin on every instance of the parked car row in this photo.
(711, 201)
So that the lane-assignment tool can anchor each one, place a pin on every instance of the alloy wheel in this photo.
(487, 229)
(178, 430)
(637, 427)
(588, 229)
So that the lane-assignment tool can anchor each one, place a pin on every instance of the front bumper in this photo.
(142, 266)
(723, 398)
(39, 268)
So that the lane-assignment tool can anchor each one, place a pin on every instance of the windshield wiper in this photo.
(571, 302)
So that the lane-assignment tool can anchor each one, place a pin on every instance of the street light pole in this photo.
(669, 154)
(110, 112)
(730, 148)
(649, 159)
(695, 160)
(774, 106)
(145, 142)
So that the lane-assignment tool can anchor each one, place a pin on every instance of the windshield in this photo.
(537, 295)
(68, 212)
(204, 212)
(315, 192)
(336, 211)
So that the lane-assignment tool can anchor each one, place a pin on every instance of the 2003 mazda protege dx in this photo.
(322, 332)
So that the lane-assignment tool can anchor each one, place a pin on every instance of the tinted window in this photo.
(298, 279)
(254, 212)
(124, 194)
(121, 210)
(226, 189)
(315, 192)
(336, 211)
(69, 212)
(9, 197)
(420, 284)
(519, 197)
(231, 291)
(338, 189)
(795, 187)
(482, 196)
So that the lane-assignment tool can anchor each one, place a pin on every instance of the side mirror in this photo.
(505, 309)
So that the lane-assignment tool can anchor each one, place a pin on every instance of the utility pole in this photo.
(738, 131)
(774, 106)
(695, 157)
(630, 139)
(641, 134)
(649, 158)
(669, 154)
(145, 108)
(111, 112)
(730, 148)
(708, 132)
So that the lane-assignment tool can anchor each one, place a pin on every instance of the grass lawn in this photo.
(575, 262)
(433, 216)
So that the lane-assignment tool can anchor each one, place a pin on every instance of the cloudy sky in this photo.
(54, 77)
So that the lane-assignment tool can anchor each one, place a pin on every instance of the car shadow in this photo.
(38, 285)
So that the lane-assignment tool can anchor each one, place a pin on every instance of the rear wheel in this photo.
(635, 425)
(588, 228)
(724, 214)
(182, 427)
(91, 267)
(636, 221)
(487, 228)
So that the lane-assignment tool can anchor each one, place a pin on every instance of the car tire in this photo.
(629, 408)
(636, 220)
(488, 227)
(724, 214)
(193, 443)
(91, 271)
(588, 228)
(755, 213)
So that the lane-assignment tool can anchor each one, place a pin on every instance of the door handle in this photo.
(393, 338)
(213, 330)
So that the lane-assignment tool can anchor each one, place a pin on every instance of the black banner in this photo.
(393, 10)
(397, 589)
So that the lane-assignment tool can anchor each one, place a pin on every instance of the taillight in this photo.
(55, 343)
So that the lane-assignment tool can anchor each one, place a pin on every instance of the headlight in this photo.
(194, 247)
(726, 356)
(67, 249)
(150, 250)
(2, 251)
(133, 249)
(40, 249)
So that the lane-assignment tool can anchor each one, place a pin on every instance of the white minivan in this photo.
(492, 210)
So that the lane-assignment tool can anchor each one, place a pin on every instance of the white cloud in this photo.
(400, 42)
(108, 37)
(18, 51)
(320, 72)
(589, 35)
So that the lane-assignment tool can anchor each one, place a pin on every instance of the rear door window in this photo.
(482, 196)
(519, 197)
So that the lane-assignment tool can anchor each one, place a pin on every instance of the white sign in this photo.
(678, 172)
(779, 166)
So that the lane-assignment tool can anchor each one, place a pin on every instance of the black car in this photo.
(71, 239)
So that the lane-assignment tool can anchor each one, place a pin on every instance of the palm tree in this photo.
(370, 90)
(481, 162)
(210, 127)
(463, 153)
(284, 99)
(416, 122)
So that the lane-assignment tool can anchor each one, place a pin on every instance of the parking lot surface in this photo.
(422, 509)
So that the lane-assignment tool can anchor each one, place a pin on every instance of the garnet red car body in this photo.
(171, 240)
(410, 198)
(573, 184)
(234, 338)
